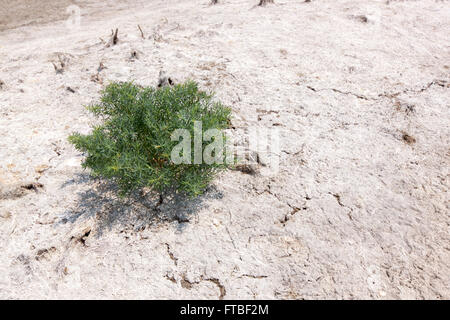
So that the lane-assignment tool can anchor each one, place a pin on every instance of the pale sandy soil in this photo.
(356, 211)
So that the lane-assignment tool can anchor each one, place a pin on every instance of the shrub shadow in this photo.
(137, 211)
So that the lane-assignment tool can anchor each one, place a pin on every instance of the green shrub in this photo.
(133, 144)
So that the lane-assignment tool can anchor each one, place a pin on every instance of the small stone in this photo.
(6, 215)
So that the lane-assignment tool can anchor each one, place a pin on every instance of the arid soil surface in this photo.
(359, 92)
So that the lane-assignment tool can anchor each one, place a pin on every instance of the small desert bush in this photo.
(132, 146)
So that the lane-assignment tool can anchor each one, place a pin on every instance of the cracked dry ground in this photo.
(359, 91)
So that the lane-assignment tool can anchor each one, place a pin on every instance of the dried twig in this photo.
(164, 80)
(264, 2)
(114, 38)
(101, 66)
(142, 32)
(60, 65)
(96, 78)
